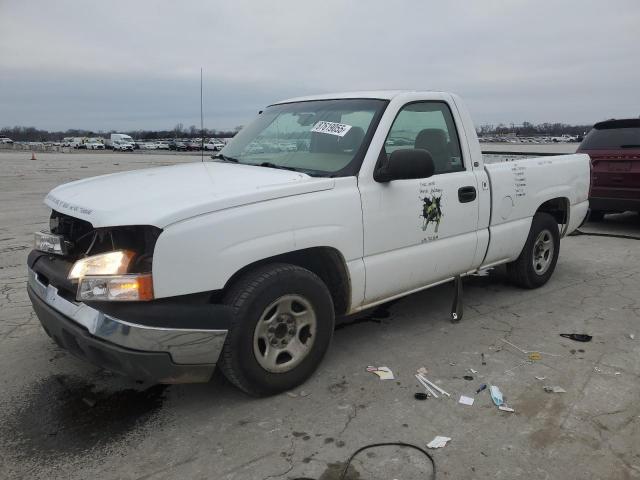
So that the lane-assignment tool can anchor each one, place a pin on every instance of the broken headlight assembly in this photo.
(104, 277)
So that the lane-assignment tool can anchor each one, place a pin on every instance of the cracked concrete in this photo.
(213, 431)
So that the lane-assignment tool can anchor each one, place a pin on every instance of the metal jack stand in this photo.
(456, 307)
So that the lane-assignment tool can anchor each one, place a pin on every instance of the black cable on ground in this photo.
(389, 444)
(612, 235)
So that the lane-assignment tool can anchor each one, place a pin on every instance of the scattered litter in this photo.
(541, 378)
(496, 395)
(89, 401)
(420, 379)
(617, 373)
(597, 370)
(423, 371)
(504, 408)
(453, 364)
(483, 360)
(292, 395)
(527, 352)
(526, 362)
(578, 337)
(466, 400)
(433, 385)
(384, 373)
(535, 356)
(438, 442)
(482, 387)
(555, 389)
(421, 395)
(473, 371)
(468, 377)
(304, 393)
(632, 336)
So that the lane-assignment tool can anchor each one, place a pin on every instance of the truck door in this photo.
(419, 232)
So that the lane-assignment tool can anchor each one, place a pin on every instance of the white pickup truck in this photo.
(323, 206)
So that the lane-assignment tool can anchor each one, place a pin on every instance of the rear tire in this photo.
(538, 258)
(283, 325)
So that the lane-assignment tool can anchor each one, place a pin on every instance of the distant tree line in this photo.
(33, 134)
(530, 129)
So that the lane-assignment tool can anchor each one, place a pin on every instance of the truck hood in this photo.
(165, 195)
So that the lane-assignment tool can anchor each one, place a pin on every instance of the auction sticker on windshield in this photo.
(331, 128)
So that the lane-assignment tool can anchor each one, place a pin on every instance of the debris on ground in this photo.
(482, 387)
(632, 336)
(496, 395)
(89, 401)
(577, 337)
(541, 378)
(427, 383)
(466, 400)
(426, 386)
(438, 442)
(504, 408)
(475, 372)
(468, 377)
(421, 396)
(535, 356)
(384, 373)
(483, 360)
(555, 389)
(529, 352)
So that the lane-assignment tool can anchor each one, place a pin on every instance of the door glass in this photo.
(429, 126)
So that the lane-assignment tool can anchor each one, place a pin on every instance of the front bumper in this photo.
(143, 352)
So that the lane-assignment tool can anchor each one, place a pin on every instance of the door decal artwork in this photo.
(431, 212)
(430, 208)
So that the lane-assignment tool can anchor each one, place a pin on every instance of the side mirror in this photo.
(406, 164)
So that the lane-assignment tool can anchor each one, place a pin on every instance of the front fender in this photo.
(202, 253)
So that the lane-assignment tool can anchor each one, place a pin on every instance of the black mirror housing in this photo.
(406, 164)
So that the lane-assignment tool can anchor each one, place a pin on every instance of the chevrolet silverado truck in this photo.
(323, 206)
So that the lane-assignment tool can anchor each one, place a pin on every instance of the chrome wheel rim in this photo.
(284, 334)
(543, 250)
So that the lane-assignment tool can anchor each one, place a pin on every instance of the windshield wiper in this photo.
(630, 146)
(273, 165)
(224, 158)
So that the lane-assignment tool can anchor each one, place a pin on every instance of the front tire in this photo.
(283, 325)
(538, 258)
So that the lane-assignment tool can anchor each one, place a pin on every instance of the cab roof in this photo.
(375, 94)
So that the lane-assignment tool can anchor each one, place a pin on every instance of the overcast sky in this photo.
(136, 64)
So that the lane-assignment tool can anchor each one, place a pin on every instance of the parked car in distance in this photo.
(192, 145)
(177, 145)
(94, 145)
(614, 148)
(163, 145)
(5, 139)
(213, 144)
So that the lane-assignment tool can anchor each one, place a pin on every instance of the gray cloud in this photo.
(137, 64)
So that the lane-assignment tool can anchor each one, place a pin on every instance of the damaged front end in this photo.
(92, 291)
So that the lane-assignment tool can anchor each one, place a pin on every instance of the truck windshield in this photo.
(323, 137)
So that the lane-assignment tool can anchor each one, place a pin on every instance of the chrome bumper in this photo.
(185, 346)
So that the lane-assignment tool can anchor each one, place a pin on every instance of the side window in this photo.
(430, 126)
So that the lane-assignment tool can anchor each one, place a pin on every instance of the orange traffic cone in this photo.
(33, 156)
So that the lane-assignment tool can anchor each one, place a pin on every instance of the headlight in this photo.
(111, 263)
(126, 288)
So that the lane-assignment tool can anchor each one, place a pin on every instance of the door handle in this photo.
(466, 194)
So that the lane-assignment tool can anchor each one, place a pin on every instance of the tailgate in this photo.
(615, 174)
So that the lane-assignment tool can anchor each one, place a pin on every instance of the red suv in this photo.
(614, 148)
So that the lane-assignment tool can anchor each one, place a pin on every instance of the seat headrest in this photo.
(432, 139)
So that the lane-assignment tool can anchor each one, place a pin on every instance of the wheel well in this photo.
(558, 208)
(326, 262)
